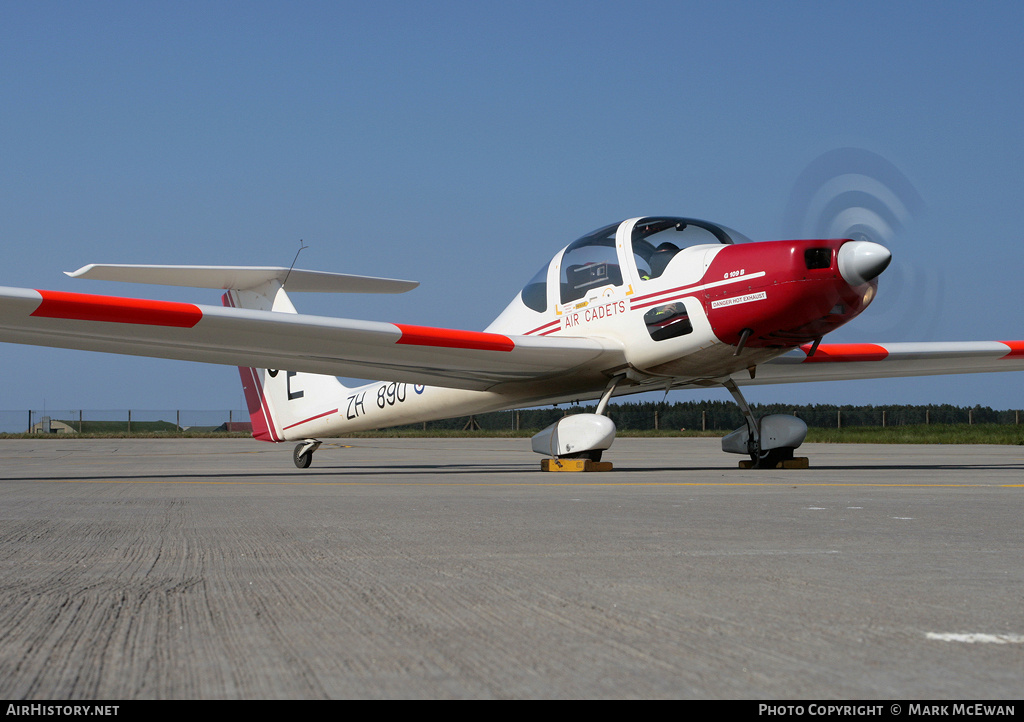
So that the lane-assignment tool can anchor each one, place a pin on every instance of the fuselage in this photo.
(687, 300)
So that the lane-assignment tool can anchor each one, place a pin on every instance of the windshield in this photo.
(656, 240)
(590, 262)
(535, 292)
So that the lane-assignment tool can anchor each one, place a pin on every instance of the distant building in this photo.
(49, 426)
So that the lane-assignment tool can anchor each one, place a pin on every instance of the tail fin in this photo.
(280, 401)
(282, 404)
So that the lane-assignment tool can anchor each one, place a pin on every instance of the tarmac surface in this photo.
(454, 568)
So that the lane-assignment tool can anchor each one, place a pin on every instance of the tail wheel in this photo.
(302, 460)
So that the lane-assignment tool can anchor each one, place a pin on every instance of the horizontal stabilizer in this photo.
(242, 277)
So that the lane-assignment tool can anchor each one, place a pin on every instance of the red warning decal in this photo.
(114, 309)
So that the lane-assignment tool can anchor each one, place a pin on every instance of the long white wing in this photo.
(296, 342)
(840, 362)
(416, 354)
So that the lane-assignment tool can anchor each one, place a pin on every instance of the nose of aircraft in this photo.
(861, 261)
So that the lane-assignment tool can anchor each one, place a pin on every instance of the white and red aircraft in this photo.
(646, 304)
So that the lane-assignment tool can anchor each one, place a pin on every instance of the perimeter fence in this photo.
(120, 421)
(644, 416)
(726, 416)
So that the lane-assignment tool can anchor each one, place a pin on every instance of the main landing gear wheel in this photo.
(781, 433)
(593, 455)
(770, 459)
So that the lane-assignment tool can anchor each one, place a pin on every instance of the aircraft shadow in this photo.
(341, 472)
(280, 476)
(836, 467)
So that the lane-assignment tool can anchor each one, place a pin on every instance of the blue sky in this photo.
(462, 143)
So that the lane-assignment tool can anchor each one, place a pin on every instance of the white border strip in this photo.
(977, 638)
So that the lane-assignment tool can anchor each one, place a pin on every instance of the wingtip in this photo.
(80, 272)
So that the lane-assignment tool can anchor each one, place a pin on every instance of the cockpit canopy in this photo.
(593, 260)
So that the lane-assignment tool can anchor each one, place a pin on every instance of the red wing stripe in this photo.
(114, 309)
(845, 352)
(450, 338)
(1016, 349)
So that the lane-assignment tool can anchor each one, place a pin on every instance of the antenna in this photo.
(302, 247)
